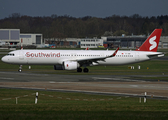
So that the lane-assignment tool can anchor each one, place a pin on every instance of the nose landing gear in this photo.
(20, 68)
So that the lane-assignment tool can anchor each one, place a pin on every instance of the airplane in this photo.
(75, 59)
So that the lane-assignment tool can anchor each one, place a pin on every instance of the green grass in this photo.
(58, 105)
(157, 66)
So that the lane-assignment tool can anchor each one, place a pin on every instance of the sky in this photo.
(82, 8)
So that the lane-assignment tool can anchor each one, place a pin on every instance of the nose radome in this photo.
(4, 59)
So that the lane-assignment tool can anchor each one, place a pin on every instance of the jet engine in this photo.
(67, 65)
(59, 67)
(71, 65)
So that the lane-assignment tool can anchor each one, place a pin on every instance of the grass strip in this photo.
(78, 106)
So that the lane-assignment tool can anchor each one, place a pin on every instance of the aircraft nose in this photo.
(4, 59)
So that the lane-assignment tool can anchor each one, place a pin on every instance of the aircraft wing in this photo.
(90, 60)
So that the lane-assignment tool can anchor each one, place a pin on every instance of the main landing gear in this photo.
(85, 70)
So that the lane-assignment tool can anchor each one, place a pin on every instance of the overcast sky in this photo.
(81, 8)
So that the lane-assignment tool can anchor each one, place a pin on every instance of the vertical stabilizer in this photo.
(152, 42)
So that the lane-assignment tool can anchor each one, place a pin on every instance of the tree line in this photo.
(70, 27)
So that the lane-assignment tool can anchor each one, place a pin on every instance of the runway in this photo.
(94, 84)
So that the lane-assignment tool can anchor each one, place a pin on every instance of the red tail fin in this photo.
(87, 48)
(152, 42)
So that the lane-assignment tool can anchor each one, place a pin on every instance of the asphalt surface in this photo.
(93, 84)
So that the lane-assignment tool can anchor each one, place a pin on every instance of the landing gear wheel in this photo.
(86, 70)
(20, 68)
(79, 69)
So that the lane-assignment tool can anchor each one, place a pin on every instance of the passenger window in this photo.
(11, 54)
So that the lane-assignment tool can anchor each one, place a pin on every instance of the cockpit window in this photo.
(11, 54)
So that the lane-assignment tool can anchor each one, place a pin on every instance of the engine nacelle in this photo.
(59, 67)
(71, 65)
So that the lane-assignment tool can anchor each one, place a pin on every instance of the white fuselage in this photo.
(53, 57)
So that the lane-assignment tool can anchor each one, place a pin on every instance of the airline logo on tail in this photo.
(153, 43)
